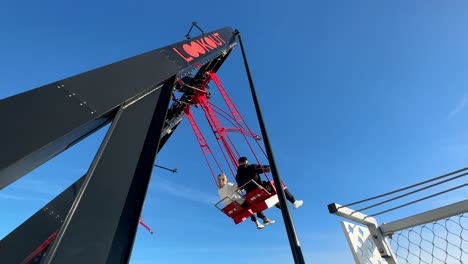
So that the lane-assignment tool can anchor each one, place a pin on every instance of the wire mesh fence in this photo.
(444, 241)
(433, 236)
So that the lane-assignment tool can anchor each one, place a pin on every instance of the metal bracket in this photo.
(194, 24)
(378, 238)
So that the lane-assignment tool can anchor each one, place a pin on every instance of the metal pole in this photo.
(162, 167)
(293, 240)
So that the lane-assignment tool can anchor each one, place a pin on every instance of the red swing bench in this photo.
(257, 200)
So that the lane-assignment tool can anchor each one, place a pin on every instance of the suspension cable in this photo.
(216, 126)
(424, 198)
(223, 113)
(405, 188)
(237, 117)
(415, 191)
(236, 127)
(226, 158)
(234, 146)
(202, 142)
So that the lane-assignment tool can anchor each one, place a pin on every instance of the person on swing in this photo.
(246, 172)
(229, 190)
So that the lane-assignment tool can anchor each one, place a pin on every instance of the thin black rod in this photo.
(172, 170)
(419, 200)
(405, 188)
(190, 30)
(188, 33)
(293, 240)
(199, 28)
(409, 193)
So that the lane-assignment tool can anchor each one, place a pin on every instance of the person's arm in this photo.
(228, 193)
(221, 194)
(236, 196)
(232, 187)
(262, 168)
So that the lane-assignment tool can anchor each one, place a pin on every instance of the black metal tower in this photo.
(133, 94)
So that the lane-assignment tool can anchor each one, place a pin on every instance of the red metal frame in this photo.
(258, 199)
(146, 226)
(40, 248)
(232, 107)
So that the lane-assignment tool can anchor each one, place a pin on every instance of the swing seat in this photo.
(257, 200)
(261, 200)
(232, 209)
(235, 211)
(242, 216)
(257, 195)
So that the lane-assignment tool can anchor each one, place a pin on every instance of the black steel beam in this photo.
(62, 113)
(102, 223)
(20, 244)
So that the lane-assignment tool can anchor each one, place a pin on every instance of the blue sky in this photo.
(359, 98)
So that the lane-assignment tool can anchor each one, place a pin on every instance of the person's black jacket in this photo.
(246, 173)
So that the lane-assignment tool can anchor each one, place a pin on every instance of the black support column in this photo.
(101, 225)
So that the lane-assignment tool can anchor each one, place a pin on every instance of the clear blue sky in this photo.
(359, 98)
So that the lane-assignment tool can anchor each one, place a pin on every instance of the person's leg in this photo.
(257, 223)
(245, 206)
(253, 217)
(289, 196)
(261, 215)
(266, 221)
(268, 187)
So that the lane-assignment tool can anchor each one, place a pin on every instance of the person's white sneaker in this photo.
(267, 221)
(297, 204)
(259, 225)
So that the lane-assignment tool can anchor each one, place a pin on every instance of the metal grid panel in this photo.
(443, 241)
